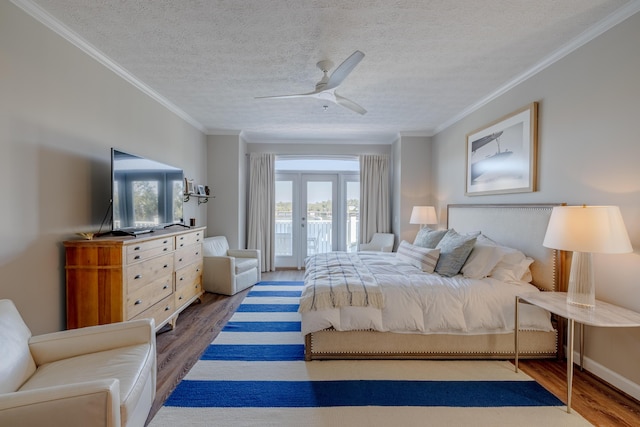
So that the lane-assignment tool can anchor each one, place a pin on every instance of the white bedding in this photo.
(418, 302)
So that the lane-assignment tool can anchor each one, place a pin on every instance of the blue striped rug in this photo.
(254, 374)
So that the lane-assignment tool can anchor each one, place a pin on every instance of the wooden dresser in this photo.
(113, 279)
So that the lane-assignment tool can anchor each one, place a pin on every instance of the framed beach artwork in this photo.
(501, 156)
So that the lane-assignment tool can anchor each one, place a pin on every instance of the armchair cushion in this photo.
(17, 364)
(215, 246)
(245, 264)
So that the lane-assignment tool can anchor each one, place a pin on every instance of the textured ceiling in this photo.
(427, 61)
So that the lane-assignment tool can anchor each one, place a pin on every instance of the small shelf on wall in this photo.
(202, 198)
(198, 191)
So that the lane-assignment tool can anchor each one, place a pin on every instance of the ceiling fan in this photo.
(326, 87)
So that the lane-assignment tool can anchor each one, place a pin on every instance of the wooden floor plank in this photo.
(198, 325)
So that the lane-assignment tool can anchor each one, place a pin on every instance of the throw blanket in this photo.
(339, 279)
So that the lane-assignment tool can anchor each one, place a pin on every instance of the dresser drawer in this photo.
(138, 275)
(189, 239)
(146, 296)
(160, 312)
(188, 283)
(187, 255)
(148, 249)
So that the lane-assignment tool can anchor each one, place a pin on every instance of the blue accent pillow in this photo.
(428, 237)
(454, 251)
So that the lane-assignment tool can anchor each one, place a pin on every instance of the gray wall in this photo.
(60, 113)
(412, 183)
(589, 149)
(226, 162)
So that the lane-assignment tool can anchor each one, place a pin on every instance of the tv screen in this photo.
(145, 194)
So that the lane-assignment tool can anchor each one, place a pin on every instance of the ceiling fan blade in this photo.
(296, 95)
(347, 103)
(344, 70)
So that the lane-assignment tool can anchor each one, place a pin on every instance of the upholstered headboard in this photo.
(517, 226)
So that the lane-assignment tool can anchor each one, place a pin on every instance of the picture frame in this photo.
(501, 157)
(189, 186)
(201, 191)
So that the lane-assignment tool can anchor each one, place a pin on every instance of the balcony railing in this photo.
(319, 237)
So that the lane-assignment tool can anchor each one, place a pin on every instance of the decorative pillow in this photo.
(515, 272)
(513, 266)
(454, 251)
(423, 258)
(428, 237)
(483, 258)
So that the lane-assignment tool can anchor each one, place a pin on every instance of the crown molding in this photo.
(607, 23)
(42, 16)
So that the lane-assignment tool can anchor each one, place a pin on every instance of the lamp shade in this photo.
(597, 229)
(423, 215)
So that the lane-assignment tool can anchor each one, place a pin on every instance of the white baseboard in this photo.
(606, 374)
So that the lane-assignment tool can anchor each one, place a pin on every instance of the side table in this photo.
(603, 315)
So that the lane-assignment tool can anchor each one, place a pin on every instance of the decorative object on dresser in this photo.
(586, 230)
(102, 375)
(122, 278)
(423, 215)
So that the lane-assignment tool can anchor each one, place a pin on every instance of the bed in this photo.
(335, 332)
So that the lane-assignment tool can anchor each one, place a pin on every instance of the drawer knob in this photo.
(138, 276)
(166, 265)
(136, 257)
(137, 248)
(167, 308)
(180, 297)
(180, 260)
(165, 286)
(138, 302)
(165, 241)
(181, 279)
(165, 250)
(197, 253)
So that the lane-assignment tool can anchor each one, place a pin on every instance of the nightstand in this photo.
(604, 315)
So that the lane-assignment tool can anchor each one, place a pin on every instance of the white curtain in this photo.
(374, 196)
(261, 221)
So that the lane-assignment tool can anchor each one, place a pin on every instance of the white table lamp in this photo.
(586, 230)
(423, 215)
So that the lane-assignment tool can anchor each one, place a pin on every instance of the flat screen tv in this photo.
(146, 195)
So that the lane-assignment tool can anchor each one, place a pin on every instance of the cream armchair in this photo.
(96, 376)
(380, 242)
(228, 271)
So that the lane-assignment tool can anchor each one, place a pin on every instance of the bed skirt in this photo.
(331, 344)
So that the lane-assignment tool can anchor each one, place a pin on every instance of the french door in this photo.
(307, 215)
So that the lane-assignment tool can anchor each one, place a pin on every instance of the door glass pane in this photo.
(319, 217)
(352, 215)
(284, 238)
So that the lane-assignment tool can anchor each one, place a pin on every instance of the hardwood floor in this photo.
(198, 325)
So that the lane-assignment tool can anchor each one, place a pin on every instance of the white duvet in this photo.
(418, 302)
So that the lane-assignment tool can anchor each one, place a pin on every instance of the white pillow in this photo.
(514, 266)
(423, 258)
(483, 258)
